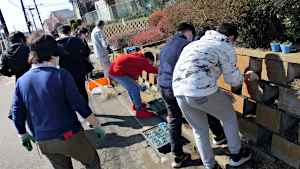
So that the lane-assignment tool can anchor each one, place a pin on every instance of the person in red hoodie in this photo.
(125, 69)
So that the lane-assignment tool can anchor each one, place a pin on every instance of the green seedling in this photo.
(286, 43)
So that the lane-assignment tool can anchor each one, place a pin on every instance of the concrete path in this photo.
(123, 148)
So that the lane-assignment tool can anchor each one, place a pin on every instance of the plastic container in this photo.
(158, 105)
(275, 46)
(286, 48)
(161, 141)
(95, 83)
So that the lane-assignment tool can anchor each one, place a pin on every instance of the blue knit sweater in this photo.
(51, 98)
(168, 57)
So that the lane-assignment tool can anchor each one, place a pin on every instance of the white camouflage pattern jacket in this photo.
(202, 62)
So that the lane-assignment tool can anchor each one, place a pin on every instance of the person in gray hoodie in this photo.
(195, 87)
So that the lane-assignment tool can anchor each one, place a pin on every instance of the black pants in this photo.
(80, 83)
(175, 116)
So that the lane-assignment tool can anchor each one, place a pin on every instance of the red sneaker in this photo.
(133, 106)
(143, 113)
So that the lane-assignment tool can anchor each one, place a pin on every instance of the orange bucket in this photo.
(95, 83)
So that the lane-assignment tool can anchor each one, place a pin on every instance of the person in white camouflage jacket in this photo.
(195, 87)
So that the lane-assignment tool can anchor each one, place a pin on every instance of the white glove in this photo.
(253, 75)
(230, 97)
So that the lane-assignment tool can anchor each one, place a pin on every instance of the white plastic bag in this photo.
(97, 91)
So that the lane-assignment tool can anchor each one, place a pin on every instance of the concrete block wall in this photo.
(113, 30)
(274, 107)
(268, 110)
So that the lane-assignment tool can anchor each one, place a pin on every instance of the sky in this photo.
(14, 16)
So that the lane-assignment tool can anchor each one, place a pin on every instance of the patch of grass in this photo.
(295, 84)
(97, 73)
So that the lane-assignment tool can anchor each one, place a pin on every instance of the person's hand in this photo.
(100, 132)
(143, 88)
(25, 141)
(230, 97)
(253, 75)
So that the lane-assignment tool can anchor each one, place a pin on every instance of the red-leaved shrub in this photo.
(154, 18)
(123, 39)
(149, 36)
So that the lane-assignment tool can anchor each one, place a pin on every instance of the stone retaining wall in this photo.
(268, 110)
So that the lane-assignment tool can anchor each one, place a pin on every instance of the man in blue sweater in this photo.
(168, 58)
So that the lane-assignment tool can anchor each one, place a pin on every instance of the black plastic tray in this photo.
(147, 132)
(158, 105)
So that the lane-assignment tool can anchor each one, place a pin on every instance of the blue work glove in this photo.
(25, 141)
(100, 132)
(143, 88)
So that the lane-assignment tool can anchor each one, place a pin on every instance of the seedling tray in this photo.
(158, 105)
(147, 132)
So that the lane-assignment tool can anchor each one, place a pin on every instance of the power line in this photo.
(15, 5)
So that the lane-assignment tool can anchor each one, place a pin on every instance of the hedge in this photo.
(259, 21)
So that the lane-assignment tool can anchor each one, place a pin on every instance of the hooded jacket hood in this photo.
(215, 36)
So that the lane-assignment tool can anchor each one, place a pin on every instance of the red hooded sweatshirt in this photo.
(132, 65)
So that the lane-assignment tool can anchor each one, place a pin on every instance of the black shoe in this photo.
(238, 159)
(219, 140)
(217, 166)
(177, 161)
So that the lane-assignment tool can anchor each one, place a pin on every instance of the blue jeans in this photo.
(133, 89)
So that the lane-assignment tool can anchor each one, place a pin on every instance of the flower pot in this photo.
(286, 48)
(275, 46)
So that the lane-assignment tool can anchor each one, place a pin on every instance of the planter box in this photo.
(286, 48)
(275, 46)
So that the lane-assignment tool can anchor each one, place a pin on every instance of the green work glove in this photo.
(25, 141)
(100, 132)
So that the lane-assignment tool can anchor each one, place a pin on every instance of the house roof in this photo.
(65, 13)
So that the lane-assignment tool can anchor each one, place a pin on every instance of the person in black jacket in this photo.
(14, 61)
(76, 62)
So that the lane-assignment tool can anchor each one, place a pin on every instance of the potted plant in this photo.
(275, 45)
(286, 47)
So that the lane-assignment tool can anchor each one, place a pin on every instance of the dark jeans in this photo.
(175, 116)
(80, 83)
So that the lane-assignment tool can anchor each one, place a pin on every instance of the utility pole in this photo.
(3, 24)
(32, 17)
(38, 14)
(27, 22)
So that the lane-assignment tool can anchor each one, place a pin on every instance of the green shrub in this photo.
(258, 21)
(292, 25)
